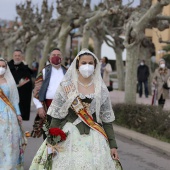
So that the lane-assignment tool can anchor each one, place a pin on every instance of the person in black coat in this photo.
(22, 76)
(142, 75)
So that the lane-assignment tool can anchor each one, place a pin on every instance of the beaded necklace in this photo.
(85, 85)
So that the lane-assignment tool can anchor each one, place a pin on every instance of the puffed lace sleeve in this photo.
(106, 111)
(63, 99)
(55, 110)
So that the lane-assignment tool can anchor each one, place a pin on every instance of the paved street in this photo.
(33, 143)
(116, 97)
(135, 156)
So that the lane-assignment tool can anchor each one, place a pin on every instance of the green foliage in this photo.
(167, 59)
(146, 119)
(166, 48)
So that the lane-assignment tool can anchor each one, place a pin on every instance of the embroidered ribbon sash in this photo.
(6, 100)
(86, 117)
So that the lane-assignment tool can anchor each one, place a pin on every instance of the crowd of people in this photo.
(74, 99)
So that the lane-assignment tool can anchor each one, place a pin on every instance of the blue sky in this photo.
(7, 7)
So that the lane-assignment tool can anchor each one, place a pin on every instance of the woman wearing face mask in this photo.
(11, 154)
(161, 75)
(82, 107)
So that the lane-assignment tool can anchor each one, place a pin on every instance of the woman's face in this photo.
(162, 62)
(2, 64)
(103, 60)
(2, 67)
(86, 59)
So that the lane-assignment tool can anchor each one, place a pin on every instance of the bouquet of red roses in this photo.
(54, 136)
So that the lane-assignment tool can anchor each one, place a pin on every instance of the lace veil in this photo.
(101, 103)
(14, 97)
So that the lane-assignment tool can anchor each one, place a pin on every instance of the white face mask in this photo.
(141, 64)
(162, 65)
(2, 70)
(86, 70)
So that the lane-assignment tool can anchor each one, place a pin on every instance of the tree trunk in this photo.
(29, 54)
(10, 50)
(86, 35)
(30, 49)
(131, 74)
(62, 38)
(4, 53)
(120, 68)
(97, 47)
(62, 44)
(44, 54)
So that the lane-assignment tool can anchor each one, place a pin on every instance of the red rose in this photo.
(63, 136)
(57, 132)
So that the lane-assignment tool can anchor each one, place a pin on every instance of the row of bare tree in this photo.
(39, 27)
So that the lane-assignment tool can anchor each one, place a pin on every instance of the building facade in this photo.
(155, 34)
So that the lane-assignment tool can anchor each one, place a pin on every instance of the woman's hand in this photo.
(19, 119)
(114, 153)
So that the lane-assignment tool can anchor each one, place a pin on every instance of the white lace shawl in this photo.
(101, 104)
(14, 97)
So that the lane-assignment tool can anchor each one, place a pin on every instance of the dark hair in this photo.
(1, 59)
(18, 50)
(77, 61)
(143, 61)
(106, 59)
(55, 49)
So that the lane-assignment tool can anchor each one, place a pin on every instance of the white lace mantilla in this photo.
(68, 91)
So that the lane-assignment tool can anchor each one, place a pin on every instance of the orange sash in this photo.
(6, 100)
(80, 110)
(83, 114)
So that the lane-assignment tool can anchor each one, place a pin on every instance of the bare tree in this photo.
(134, 35)
(36, 23)
(9, 37)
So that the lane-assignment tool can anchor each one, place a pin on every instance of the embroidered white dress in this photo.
(81, 152)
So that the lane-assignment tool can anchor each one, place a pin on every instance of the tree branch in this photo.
(151, 14)
(163, 17)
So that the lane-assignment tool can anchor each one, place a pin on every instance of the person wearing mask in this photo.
(46, 85)
(106, 69)
(142, 76)
(11, 154)
(82, 107)
(160, 77)
(22, 76)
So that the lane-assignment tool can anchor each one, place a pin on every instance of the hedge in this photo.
(146, 119)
